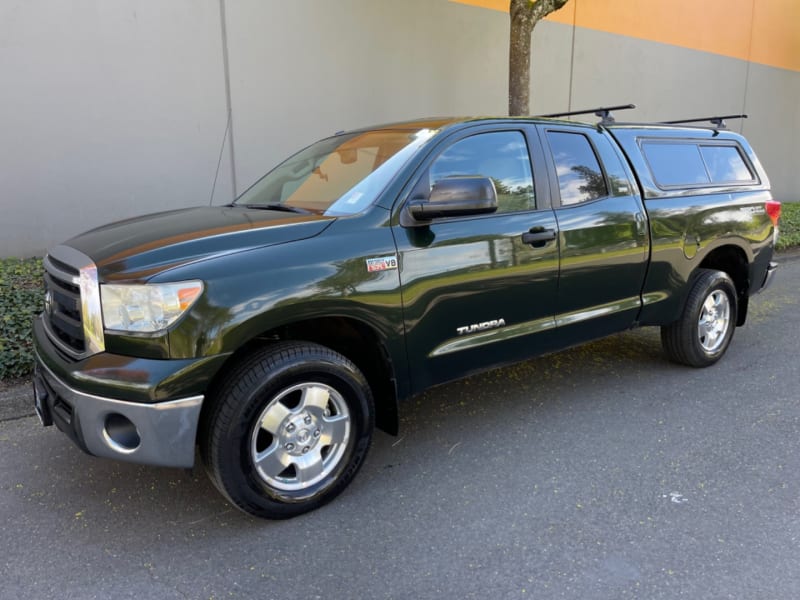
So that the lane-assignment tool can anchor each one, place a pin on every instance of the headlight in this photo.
(149, 307)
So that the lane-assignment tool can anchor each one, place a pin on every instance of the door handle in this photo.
(538, 236)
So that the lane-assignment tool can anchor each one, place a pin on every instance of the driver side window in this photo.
(499, 155)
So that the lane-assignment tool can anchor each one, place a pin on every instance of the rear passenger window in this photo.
(696, 164)
(580, 178)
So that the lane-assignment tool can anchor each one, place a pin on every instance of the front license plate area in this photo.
(40, 401)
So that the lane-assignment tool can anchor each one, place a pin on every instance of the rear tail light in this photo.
(773, 208)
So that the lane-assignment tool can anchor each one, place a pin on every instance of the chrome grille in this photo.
(63, 303)
(72, 293)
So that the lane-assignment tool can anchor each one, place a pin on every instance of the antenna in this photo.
(219, 160)
(604, 112)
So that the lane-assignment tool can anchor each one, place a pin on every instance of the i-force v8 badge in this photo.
(383, 263)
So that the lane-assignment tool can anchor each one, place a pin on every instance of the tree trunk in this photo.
(519, 58)
(524, 16)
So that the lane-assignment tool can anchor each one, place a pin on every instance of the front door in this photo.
(480, 291)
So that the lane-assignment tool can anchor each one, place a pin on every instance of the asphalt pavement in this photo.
(599, 472)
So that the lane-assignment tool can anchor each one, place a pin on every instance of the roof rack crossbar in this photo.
(718, 122)
(604, 112)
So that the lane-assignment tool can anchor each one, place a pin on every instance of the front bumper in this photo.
(124, 407)
(162, 433)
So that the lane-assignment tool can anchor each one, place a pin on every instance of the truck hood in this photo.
(138, 248)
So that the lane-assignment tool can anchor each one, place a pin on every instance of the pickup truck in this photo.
(275, 333)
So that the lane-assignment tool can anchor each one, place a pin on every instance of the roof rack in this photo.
(604, 112)
(718, 122)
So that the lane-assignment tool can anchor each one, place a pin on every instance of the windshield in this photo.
(337, 176)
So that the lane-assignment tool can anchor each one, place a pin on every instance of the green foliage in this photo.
(21, 297)
(789, 226)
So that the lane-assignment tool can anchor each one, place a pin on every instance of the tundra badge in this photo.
(493, 324)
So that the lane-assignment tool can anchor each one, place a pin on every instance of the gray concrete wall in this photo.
(113, 109)
(108, 109)
(668, 82)
(304, 69)
(773, 129)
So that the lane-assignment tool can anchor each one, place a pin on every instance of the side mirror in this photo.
(456, 197)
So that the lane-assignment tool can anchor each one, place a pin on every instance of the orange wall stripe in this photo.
(501, 5)
(776, 33)
(762, 31)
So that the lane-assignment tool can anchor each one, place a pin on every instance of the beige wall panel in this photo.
(669, 82)
(114, 109)
(773, 103)
(551, 64)
(304, 69)
(110, 109)
(663, 81)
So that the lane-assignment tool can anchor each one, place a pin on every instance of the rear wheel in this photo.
(287, 430)
(705, 329)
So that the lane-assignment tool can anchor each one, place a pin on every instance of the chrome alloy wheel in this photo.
(714, 321)
(300, 437)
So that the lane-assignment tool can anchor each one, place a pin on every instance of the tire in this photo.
(705, 329)
(287, 429)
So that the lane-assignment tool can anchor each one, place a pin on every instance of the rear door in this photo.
(603, 234)
(480, 291)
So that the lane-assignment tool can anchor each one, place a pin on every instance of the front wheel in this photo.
(287, 430)
(704, 331)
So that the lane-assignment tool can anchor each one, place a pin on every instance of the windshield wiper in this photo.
(276, 206)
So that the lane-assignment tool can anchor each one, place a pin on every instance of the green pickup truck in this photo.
(277, 332)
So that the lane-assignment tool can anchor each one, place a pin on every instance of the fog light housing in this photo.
(121, 434)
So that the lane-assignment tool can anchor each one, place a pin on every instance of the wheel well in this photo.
(733, 261)
(354, 340)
